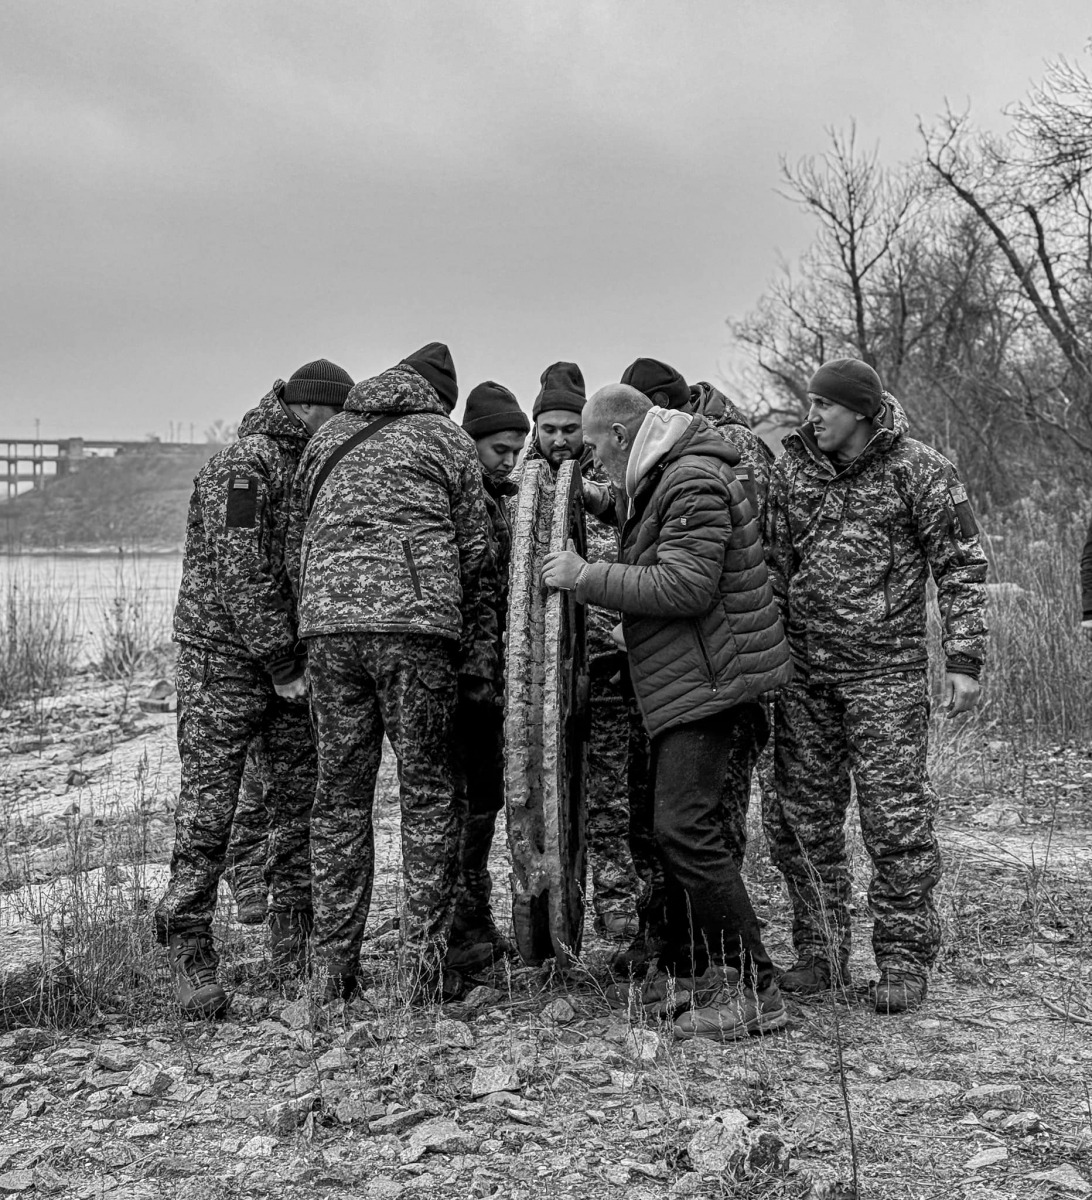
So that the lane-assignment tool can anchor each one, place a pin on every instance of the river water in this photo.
(95, 595)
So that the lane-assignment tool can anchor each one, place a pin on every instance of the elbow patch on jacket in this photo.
(967, 525)
(242, 502)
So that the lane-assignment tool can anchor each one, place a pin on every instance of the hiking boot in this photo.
(339, 987)
(433, 986)
(618, 926)
(193, 962)
(810, 975)
(665, 995)
(735, 1012)
(468, 957)
(898, 991)
(288, 934)
(251, 908)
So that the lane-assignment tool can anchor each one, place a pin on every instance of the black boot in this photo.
(473, 926)
(288, 934)
(193, 961)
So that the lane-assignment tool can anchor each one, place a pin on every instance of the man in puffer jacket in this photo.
(663, 385)
(241, 678)
(498, 427)
(396, 550)
(704, 643)
(859, 515)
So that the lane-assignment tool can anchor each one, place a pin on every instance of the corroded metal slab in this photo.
(546, 697)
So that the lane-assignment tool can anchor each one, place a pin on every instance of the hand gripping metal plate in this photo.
(546, 699)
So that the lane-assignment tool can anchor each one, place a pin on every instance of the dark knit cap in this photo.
(319, 382)
(434, 364)
(850, 382)
(491, 407)
(562, 389)
(662, 384)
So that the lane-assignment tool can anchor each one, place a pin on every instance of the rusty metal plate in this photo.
(546, 707)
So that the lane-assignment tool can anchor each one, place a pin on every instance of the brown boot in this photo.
(899, 991)
(193, 961)
(812, 974)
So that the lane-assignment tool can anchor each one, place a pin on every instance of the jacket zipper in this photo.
(412, 568)
(705, 655)
(887, 576)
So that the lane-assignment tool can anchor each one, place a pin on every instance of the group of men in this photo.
(346, 577)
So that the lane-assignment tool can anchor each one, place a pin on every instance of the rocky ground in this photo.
(532, 1086)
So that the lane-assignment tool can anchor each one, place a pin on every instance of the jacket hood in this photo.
(891, 426)
(399, 390)
(665, 436)
(272, 419)
(714, 405)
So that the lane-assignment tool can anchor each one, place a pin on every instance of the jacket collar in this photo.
(274, 419)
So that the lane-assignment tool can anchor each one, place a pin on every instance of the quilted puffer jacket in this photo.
(701, 627)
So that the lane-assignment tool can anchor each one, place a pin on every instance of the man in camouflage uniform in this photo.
(617, 746)
(859, 514)
(240, 679)
(498, 427)
(664, 386)
(396, 549)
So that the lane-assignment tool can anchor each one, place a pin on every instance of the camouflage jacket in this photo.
(734, 427)
(235, 597)
(850, 551)
(398, 539)
(603, 545)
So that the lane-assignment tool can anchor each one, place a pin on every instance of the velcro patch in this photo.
(242, 502)
(968, 526)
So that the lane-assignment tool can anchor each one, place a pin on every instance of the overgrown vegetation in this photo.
(963, 277)
(38, 640)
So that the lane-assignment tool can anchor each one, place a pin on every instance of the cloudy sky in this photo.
(197, 197)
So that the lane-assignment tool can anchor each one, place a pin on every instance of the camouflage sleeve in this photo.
(948, 534)
(297, 521)
(239, 523)
(477, 574)
(777, 538)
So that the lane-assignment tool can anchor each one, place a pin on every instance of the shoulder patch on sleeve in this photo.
(968, 526)
(242, 502)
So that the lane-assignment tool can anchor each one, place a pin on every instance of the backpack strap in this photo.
(361, 435)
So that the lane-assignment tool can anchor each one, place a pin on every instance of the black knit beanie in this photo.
(850, 382)
(491, 407)
(562, 389)
(662, 384)
(434, 364)
(319, 382)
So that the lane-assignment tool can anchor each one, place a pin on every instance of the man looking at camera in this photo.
(859, 515)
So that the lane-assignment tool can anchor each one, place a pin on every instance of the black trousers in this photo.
(708, 915)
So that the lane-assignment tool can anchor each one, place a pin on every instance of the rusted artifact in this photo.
(546, 713)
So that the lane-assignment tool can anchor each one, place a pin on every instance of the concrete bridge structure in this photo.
(34, 461)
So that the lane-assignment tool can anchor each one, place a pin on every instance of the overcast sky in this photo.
(198, 197)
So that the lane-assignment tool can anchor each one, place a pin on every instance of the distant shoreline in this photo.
(120, 552)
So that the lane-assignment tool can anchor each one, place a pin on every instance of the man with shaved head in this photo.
(704, 642)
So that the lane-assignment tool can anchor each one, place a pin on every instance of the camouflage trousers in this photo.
(362, 685)
(877, 731)
(225, 704)
(246, 866)
(618, 791)
(479, 740)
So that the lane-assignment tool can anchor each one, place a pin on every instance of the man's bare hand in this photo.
(562, 568)
(961, 693)
(296, 690)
